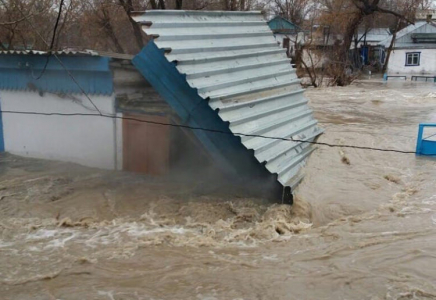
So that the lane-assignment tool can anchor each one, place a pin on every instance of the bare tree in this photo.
(347, 15)
(296, 11)
(137, 31)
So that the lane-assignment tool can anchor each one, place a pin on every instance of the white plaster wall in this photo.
(397, 62)
(87, 140)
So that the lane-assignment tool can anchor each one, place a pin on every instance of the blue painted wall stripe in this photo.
(19, 72)
(2, 140)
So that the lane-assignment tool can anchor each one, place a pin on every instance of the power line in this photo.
(52, 40)
(210, 130)
(60, 61)
(169, 124)
(77, 83)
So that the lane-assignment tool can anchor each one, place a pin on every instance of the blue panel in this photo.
(19, 72)
(2, 140)
(364, 52)
(226, 149)
(425, 146)
(281, 24)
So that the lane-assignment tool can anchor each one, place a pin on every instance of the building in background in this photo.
(368, 44)
(286, 34)
(414, 50)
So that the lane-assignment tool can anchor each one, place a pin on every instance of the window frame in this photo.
(412, 54)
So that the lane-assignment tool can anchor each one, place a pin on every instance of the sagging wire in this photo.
(53, 39)
(58, 59)
(210, 130)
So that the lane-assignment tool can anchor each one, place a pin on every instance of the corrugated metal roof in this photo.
(402, 39)
(375, 34)
(234, 62)
(21, 71)
(68, 52)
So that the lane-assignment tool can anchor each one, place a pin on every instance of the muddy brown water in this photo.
(363, 226)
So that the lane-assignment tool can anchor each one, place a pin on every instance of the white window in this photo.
(413, 58)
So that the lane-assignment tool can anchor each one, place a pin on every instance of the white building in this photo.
(46, 115)
(414, 50)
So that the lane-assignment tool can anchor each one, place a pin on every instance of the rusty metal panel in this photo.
(146, 147)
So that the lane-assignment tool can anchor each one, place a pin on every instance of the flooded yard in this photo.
(363, 225)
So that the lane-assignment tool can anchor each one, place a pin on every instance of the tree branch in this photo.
(400, 16)
(16, 21)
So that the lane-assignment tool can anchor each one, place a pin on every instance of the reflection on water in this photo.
(363, 225)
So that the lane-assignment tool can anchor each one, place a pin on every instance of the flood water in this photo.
(363, 225)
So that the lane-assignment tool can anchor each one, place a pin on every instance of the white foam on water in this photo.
(430, 201)
(109, 294)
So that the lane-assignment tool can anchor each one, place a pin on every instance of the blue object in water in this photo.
(425, 146)
(2, 141)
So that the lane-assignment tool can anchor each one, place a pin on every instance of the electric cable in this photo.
(291, 139)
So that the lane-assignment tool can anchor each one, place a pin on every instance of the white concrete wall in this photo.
(87, 140)
(397, 62)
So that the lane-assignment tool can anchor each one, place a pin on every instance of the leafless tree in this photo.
(297, 11)
(347, 16)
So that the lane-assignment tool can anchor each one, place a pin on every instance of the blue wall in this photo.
(2, 140)
(20, 72)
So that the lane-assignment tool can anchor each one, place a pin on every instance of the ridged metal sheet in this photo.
(60, 52)
(403, 38)
(234, 62)
(21, 71)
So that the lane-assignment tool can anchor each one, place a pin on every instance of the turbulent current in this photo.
(363, 225)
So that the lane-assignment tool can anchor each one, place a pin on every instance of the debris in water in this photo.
(344, 159)
(392, 178)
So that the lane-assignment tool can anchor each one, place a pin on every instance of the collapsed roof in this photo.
(224, 71)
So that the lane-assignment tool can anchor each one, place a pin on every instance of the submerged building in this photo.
(414, 50)
(213, 90)
(224, 71)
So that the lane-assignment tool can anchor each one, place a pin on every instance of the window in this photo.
(413, 58)
(286, 42)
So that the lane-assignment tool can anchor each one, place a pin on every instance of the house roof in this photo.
(375, 34)
(224, 71)
(418, 26)
(67, 52)
(280, 24)
(70, 52)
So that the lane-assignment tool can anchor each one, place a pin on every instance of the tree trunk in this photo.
(110, 32)
(233, 5)
(342, 60)
(226, 4)
(391, 46)
(137, 31)
(162, 4)
(153, 4)
(179, 4)
(242, 5)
